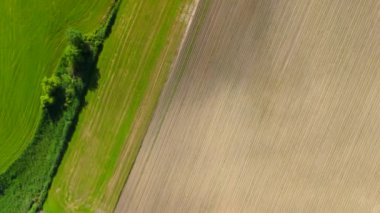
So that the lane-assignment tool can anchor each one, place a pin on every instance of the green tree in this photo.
(75, 38)
(49, 86)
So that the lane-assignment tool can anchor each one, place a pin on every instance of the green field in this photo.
(32, 39)
(133, 68)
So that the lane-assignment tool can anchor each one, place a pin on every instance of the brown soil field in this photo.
(272, 106)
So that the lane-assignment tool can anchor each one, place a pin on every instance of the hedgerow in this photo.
(25, 184)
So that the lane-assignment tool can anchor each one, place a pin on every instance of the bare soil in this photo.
(272, 106)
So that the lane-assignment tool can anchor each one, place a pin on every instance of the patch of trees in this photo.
(67, 82)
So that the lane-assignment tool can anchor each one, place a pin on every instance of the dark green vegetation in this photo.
(24, 186)
(32, 41)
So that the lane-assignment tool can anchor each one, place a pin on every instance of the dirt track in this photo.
(273, 106)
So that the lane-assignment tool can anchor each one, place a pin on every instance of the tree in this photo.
(75, 38)
(49, 86)
(73, 56)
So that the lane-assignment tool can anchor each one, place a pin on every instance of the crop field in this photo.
(32, 38)
(132, 70)
(272, 106)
